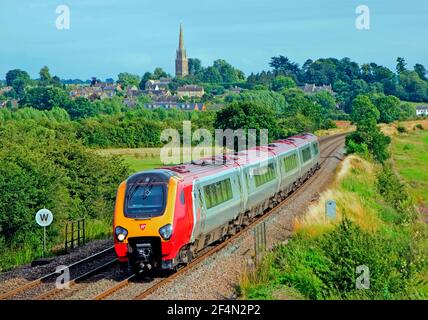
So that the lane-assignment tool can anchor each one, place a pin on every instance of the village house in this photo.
(422, 111)
(312, 88)
(5, 90)
(176, 105)
(157, 86)
(190, 91)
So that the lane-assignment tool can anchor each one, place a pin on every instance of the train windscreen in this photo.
(146, 198)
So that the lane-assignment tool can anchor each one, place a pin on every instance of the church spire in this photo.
(181, 43)
(181, 63)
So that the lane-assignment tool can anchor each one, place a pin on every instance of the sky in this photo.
(107, 37)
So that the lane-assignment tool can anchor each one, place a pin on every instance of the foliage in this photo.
(323, 264)
(368, 135)
(45, 98)
(41, 167)
(128, 80)
(395, 193)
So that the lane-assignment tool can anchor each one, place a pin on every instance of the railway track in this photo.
(330, 145)
(41, 288)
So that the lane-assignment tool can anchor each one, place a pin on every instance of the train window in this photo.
(264, 175)
(306, 154)
(315, 148)
(290, 162)
(145, 200)
(218, 193)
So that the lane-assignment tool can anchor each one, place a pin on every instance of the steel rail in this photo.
(36, 282)
(49, 294)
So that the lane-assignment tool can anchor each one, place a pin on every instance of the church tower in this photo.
(181, 63)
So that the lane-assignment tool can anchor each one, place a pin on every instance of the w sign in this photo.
(44, 217)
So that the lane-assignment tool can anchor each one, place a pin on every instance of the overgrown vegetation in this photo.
(377, 226)
(41, 167)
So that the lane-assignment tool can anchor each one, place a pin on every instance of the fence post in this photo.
(78, 233)
(72, 236)
(259, 241)
(84, 231)
(66, 237)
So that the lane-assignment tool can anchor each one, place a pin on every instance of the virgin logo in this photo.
(142, 226)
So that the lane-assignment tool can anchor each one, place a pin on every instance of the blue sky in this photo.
(110, 36)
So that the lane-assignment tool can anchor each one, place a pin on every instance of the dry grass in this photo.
(391, 128)
(349, 204)
(342, 126)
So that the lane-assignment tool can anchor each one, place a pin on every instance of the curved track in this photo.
(41, 288)
(329, 144)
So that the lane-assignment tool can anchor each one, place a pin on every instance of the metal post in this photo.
(66, 237)
(44, 241)
(84, 232)
(72, 236)
(78, 233)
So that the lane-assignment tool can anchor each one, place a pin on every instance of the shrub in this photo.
(419, 126)
(401, 129)
(395, 194)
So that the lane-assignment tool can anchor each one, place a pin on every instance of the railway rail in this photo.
(46, 278)
(330, 145)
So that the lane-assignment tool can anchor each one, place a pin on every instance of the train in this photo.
(164, 217)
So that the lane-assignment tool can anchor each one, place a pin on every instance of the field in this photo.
(410, 154)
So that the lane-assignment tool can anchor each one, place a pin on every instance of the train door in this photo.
(200, 211)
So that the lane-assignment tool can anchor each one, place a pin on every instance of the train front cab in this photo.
(144, 221)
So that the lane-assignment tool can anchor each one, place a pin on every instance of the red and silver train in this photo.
(164, 217)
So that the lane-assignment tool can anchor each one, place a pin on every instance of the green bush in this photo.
(325, 267)
(395, 194)
(419, 126)
(401, 129)
(40, 167)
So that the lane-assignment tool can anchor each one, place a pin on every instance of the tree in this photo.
(421, 71)
(45, 76)
(195, 66)
(80, 108)
(15, 74)
(401, 65)
(388, 106)
(412, 87)
(248, 115)
(282, 82)
(283, 65)
(368, 136)
(128, 80)
(159, 73)
(364, 111)
(227, 72)
(45, 98)
(146, 77)
(211, 75)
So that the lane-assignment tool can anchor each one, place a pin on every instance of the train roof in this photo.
(220, 163)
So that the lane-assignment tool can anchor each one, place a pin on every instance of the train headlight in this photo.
(121, 233)
(166, 232)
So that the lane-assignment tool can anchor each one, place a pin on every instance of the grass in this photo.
(410, 155)
(319, 261)
(140, 159)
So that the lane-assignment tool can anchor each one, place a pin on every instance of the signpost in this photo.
(44, 219)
